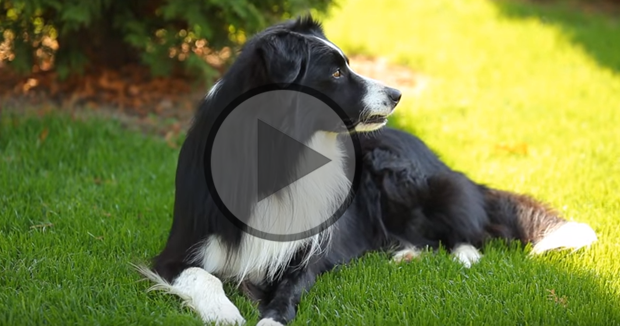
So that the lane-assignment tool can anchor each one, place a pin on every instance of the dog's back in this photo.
(424, 202)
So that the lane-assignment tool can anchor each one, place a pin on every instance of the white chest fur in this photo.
(302, 206)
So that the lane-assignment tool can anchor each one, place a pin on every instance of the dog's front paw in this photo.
(223, 313)
(268, 322)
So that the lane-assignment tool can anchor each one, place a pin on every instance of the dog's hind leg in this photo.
(407, 254)
(202, 292)
(456, 206)
(466, 254)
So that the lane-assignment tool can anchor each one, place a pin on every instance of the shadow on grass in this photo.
(598, 34)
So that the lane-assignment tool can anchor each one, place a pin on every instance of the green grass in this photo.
(77, 206)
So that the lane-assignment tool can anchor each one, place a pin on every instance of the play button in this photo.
(274, 162)
(269, 181)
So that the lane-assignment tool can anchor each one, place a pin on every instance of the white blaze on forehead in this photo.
(344, 57)
(333, 46)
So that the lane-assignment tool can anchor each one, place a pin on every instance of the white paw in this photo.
(202, 292)
(268, 322)
(571, 235)
(406, 255)
(466, 254)
(222, 313)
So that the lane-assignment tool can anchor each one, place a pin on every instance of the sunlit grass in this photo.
(513, 101)
(516, 96)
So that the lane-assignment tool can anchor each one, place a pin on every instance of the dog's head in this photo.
(297, 52)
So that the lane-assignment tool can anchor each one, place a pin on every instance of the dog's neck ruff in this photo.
(302, 205)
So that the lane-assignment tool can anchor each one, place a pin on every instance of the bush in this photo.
(169, 36)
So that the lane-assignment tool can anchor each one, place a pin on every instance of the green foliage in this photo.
(168, 36)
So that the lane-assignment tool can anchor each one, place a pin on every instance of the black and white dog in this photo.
(407, 198)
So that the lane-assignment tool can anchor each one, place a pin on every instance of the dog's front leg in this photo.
(286, 293)
(201, 291)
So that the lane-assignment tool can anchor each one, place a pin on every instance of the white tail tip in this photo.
(571, 235)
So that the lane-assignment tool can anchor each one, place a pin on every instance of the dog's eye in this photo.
(337, 74)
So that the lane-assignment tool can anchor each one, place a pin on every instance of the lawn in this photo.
(519, 96)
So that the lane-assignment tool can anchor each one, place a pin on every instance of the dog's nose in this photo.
(394, 95)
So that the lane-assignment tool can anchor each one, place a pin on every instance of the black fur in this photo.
(278, 55)
(407, 196)
(424, 202)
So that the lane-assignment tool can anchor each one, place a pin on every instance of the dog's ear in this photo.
(306, 25)
(283, 58)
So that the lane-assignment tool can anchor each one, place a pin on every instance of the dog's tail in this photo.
(520, 217)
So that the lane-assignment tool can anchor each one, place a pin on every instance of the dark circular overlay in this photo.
(272, 162)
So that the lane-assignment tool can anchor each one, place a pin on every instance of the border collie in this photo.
(407, 199)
